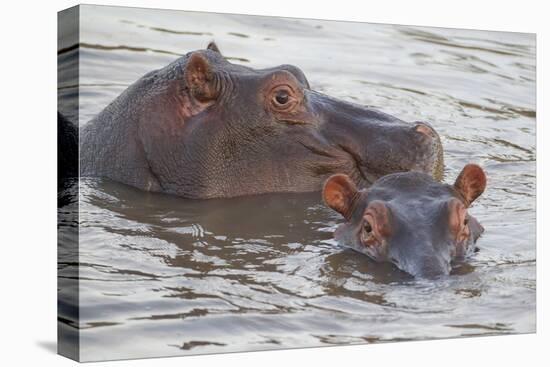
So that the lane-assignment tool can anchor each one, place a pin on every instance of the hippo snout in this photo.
(430, 150)
(397, 148)
(428, 266)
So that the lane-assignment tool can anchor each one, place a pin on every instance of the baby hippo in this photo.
(409, 219)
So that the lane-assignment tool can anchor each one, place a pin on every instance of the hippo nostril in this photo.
(430, 151)
(425, 130)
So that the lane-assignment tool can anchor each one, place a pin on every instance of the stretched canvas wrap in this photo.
(234, 183)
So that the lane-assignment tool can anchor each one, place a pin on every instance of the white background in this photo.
(28, 182)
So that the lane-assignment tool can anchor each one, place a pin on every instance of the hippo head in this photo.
(409, 219)
(211, 128)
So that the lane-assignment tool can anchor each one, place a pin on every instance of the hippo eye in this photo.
(281, 97)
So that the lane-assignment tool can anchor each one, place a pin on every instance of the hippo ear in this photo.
(471, 182)
(339, 192)
(200, 78)
(212, 46)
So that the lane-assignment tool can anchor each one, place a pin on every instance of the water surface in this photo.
(161, 275)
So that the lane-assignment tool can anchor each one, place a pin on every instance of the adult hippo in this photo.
(202, 127)
(409, 219)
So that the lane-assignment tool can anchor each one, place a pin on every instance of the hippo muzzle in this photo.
(378, 143)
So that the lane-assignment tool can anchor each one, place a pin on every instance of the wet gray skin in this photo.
(409, 219)
(202, 127)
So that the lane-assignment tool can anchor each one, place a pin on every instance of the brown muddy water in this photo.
(161, 275)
